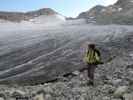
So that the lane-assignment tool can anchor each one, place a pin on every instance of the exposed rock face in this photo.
(93, 12)
(17, 17)
(119, 13)
(125, 3)
(45, 11)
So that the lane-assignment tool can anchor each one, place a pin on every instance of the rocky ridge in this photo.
(119, 13)
(18, 16)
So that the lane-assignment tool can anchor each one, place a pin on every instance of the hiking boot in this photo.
(90, 83)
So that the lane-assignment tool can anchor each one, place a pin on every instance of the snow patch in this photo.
(120, 9)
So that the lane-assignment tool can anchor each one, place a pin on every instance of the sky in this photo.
(69, 8)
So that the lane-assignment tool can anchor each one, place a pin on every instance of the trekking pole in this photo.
(110, 59)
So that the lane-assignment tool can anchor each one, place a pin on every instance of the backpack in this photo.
(93, 57)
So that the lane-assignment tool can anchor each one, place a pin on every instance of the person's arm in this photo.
(98, 56)
(98, 52)
(85, 56)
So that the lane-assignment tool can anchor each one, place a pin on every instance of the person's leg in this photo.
(91, 71)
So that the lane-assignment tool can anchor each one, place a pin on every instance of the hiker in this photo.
(92, 59)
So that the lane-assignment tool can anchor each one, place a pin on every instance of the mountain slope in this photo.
(42, 56)
(119, 13)
(18, 17)
(36, 20)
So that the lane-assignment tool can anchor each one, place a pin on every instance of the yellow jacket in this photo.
(92, 57)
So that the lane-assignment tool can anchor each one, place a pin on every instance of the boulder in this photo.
(76, 73)
(39, 97)
(17, 93)
(116, 82)
(128, 96)
(1, 98)
(120, 91)
(48, 89)
(48, 97)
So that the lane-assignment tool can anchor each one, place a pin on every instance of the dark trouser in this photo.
(91, 71)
